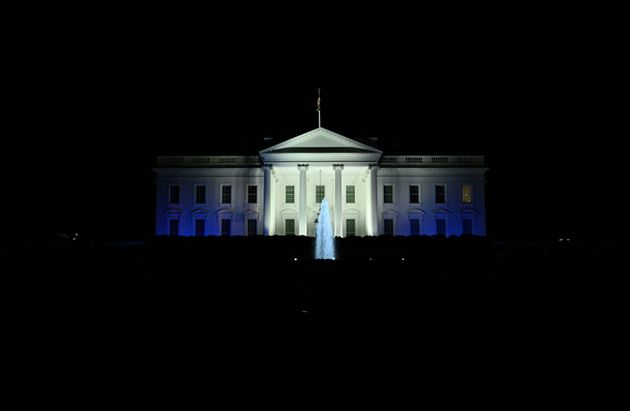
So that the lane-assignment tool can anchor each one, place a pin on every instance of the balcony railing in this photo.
(431, 160)
(252, 161)
(207, 161)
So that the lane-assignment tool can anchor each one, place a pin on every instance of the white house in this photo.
(279, 191)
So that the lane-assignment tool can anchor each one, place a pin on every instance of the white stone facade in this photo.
(276, 192)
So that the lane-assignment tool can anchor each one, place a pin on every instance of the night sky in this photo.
(92, 108)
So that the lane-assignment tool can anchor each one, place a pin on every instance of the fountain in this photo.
(324, 238)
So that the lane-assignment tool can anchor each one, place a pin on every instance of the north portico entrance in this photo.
(303, 170)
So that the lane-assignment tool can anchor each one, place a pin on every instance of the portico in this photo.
(314, 165)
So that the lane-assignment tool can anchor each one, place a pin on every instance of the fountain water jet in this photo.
(324, 238)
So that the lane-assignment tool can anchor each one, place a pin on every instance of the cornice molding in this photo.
(390, 211)
(468, 211)
(256, 172)
(416, 211)
(441, 211)
(321, 157)
(172, 211)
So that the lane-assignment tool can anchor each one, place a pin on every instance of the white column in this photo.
(302, 215)
(372, 210)
(338, 214)
(267, 200)
(369, 229)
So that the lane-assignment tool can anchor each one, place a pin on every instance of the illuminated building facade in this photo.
(279, 191)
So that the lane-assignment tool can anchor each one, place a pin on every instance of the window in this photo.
(440, 225)
(200, 194)
(252, 226)
(173, 227)
(440, 194)
(349, 194)
(289, 226)
(320, 192)
(388, 194)
(226, 227)
(226, 194)
(467, 226)
(388, 225)
(289, 194)
(414, 194)
(174, 195)
(467, 193)
(351, 227)
(200, 228)
(414, 226)
(252, 194)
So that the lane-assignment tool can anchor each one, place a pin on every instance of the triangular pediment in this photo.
(320, 140)
(441, 211)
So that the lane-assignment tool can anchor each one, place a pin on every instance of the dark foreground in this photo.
(258, 324)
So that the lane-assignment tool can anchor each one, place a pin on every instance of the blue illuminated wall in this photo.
(427, 211)
(211, 210)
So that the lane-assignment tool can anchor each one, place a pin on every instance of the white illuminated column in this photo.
(368, 202)
(338, 228)
(302, 226)
(371, 221)
(267, 199)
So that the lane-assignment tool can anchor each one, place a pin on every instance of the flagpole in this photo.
(319, 108)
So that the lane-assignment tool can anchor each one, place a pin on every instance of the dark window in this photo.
(351, 227)
(440, 194)
(226, 194)
(252, 226)
(388, 225)
(200, 228)
(349, 194)
(173, 227)
(289, 226)
(414, 194)
(440, 225)
(388, 194)
(200, 195)
(289, 194)
(467, 226)
(415, 226)
(320, 192)
(226, 227)
(174, 195)
(252, 194)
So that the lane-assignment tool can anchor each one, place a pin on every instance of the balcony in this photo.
(208, 161)
(431, 161)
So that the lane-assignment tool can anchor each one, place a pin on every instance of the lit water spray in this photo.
(324, 238)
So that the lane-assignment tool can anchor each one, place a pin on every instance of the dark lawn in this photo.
(458, 321)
